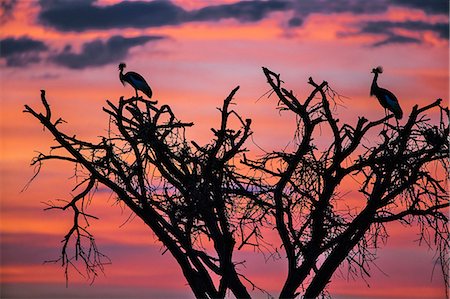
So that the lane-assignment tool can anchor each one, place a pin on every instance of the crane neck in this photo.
(374, 86)
(121, 76)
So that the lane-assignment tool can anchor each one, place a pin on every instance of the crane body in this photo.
(135, 80)
(386, 98)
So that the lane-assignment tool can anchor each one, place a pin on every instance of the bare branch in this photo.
(187, 193)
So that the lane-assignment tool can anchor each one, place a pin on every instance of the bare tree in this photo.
(319, 232)
(189, 194)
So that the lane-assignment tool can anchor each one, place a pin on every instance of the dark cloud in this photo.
(99, 53)
(376, 27)
(244, 11)
(387, 29)
(12, 46)
(368, 7)
(21, 51)
(295, 22)
(428, 6)
(389, 33)
(305, 8)
(397, 39)
(85, 15)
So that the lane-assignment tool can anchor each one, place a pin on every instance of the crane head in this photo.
(377, 70)
(122, 65)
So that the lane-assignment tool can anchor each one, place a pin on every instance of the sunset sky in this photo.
(193, 53)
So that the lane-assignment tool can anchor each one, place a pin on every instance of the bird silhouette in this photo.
(134, 79)
(386, 98)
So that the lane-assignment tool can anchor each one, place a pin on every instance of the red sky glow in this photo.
(192, 64)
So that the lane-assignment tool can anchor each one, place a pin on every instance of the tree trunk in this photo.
(322, 278)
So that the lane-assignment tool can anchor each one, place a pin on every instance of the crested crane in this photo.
(386, 98)
(135, 80)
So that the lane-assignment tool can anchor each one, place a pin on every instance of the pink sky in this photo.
(192, 66)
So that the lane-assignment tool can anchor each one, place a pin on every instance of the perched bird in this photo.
(135, 80)
(386, 98)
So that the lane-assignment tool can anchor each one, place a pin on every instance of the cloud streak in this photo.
(99, 53)
(386, 27)
(397, 39)
(369, 7)
(306, 8)
(21, 51)
(243, 11)
(388, 30)
(85, 15)
(439, 7)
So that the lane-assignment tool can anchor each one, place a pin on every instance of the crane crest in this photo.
(378, 69)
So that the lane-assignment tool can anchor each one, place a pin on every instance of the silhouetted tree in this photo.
(191, 195)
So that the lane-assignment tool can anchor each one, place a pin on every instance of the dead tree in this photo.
(395, 177)
(185, 193)
(190, 194)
